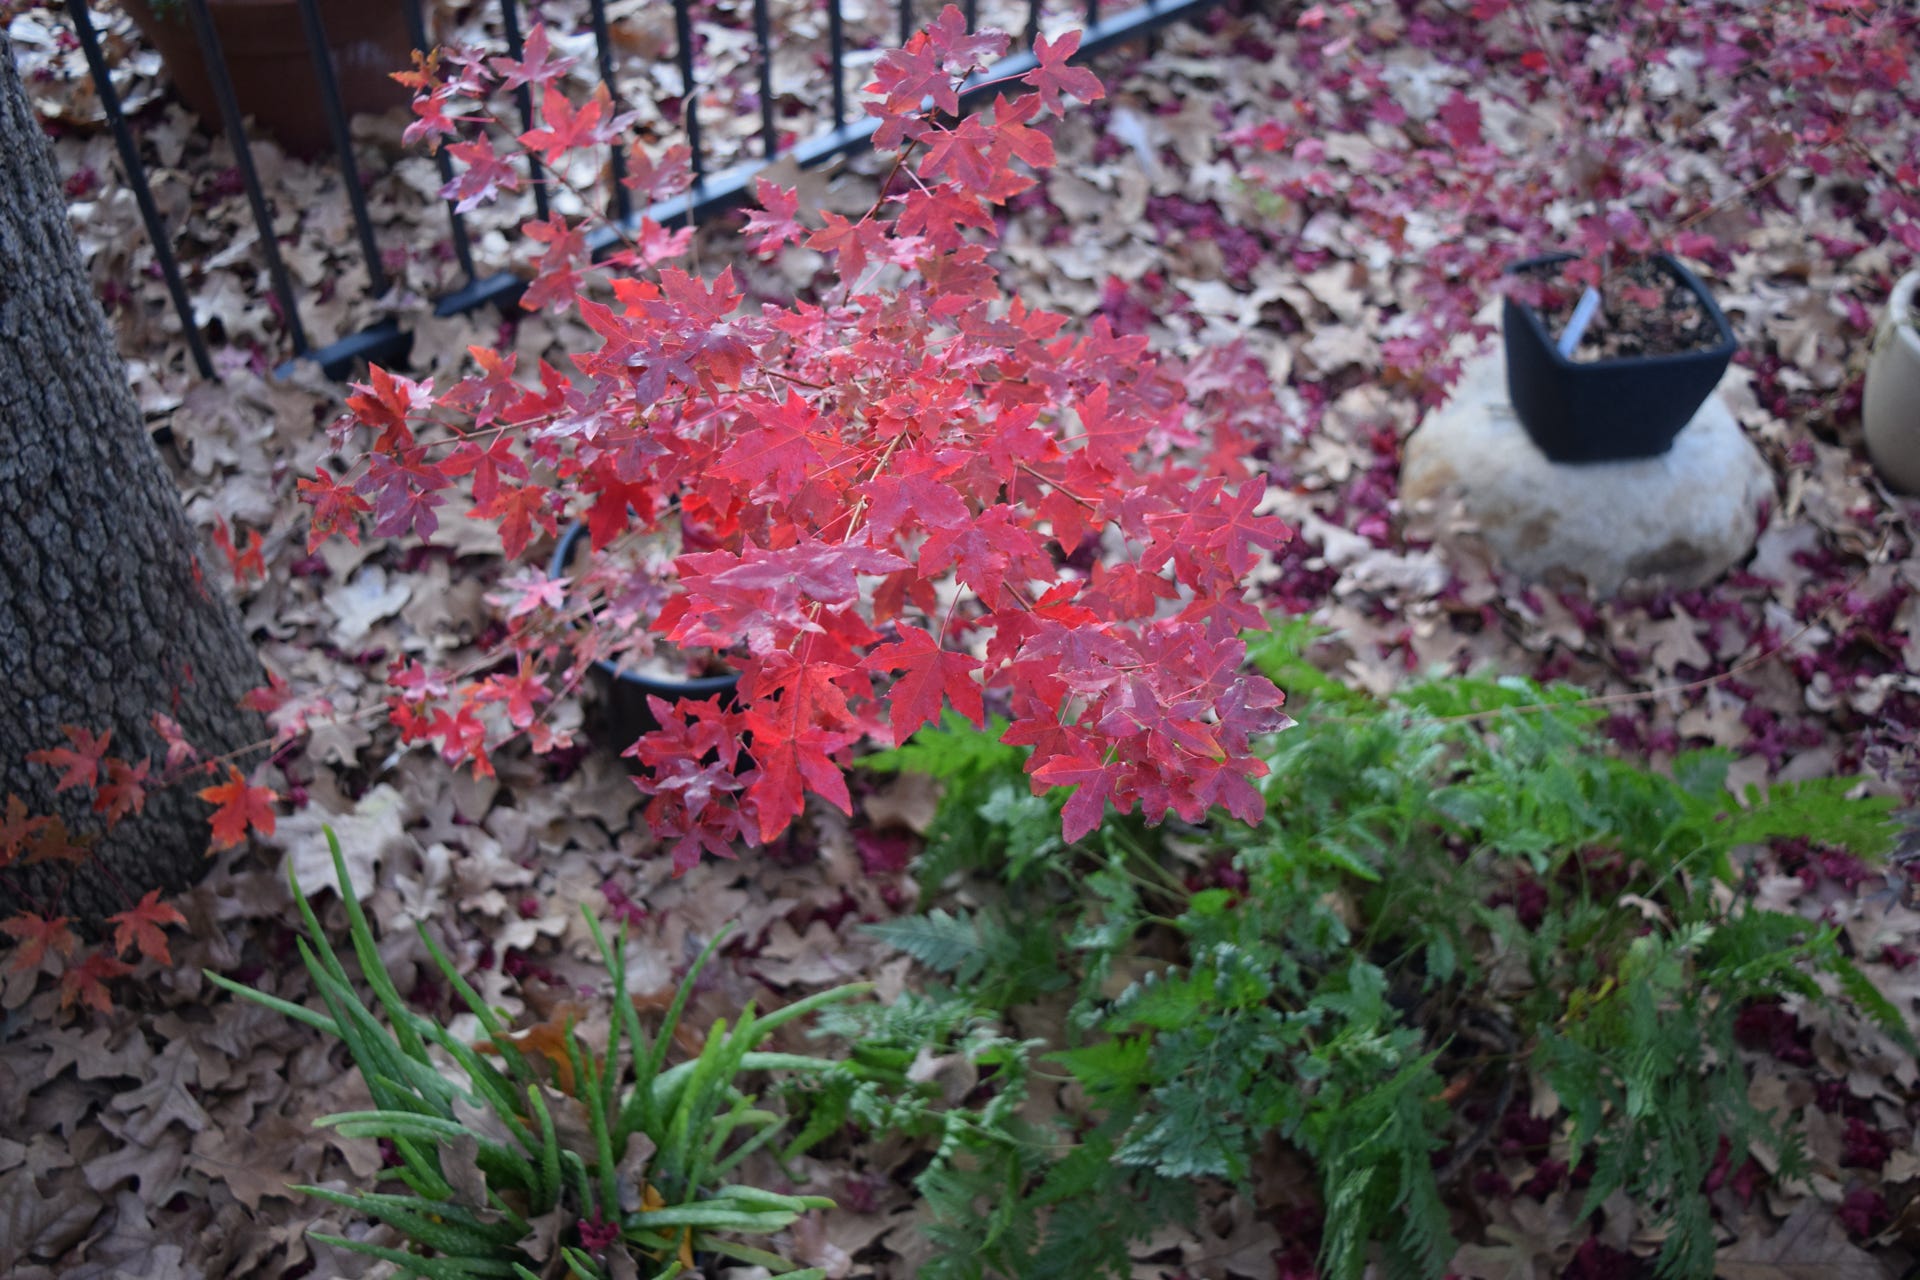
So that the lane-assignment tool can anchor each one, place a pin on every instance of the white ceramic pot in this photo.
(1891, 408)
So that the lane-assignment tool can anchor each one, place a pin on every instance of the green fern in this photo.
(1316, 1004)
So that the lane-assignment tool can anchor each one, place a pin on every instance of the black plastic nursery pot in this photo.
(1607, 410)
(624, 694)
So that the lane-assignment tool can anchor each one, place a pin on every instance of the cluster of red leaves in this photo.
(907, 493)
(120, 788)
(1825, 87)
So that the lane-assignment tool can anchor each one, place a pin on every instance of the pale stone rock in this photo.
(1683, 518)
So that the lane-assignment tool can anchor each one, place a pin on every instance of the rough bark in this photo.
(102, 619)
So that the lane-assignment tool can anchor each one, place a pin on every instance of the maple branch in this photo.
(592, 216)
(898, 160)
(1029, 469)
(795, 380)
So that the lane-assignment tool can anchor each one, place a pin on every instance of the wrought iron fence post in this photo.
(157, 232)
(209, 41)
(711, 191)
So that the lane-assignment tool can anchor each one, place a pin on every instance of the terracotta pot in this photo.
(265, 48)
(1891, 408)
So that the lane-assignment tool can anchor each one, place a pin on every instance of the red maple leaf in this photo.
(266, 699)
(488, 465)
(81, 761)
(244, 564)
(855, 242)
(87, 981)
(17, 827)
(142, 927)
(1011, 136)
(930, 673)
(1459, 116)
(781, 451)
(911, 76)
(957, 280)
(1067, 517)
(688, 834)
(910, 501)
(433, 123)
(38, 935)
(939, 212)
(240, 807)
(653, 244)
(1053, 77)
(990, 553)
(961, 52)
(555, 282)
(463, 737)
(823, 571)
(53, 843)
(689, 300)
(566, 127)
(528, 591)
(384, 403)
(124, 791)
(179, 750)
(659, 179)
(1240, 530)
(336, 509)
(1093, 781)
(520, 692)
(486, 175)
(404, 493)
(777, 220)
(536, 65)
(793, 750)
(1108, 437)
(964, 151)
(519, 509)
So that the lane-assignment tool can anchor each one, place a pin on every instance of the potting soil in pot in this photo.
(1643, 312)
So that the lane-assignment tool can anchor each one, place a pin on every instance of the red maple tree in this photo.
(904, 493)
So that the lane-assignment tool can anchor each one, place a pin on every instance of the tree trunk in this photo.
(103, 617)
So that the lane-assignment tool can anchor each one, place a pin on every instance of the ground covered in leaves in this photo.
(159, 1139)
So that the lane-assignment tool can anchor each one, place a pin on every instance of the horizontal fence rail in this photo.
(713, 191)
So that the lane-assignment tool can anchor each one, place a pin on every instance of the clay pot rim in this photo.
(1724, 348)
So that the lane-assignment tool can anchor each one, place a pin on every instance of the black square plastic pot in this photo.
(1607, 410)
(624, 694)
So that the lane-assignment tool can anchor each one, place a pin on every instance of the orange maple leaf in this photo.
(38, 935)
(87, 981)
(247, 563)
(17, 826)
(240, 807)
(142, 927)
(124, 791)
(81, 761)
(54, 843)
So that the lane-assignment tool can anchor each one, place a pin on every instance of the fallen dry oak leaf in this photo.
(1809, 1245)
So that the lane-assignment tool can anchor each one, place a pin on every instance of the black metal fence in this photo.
(712, 190)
